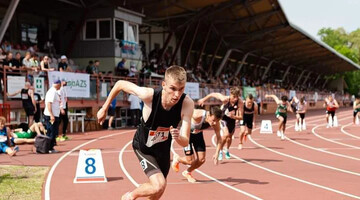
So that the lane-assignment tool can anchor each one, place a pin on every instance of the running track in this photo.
(318, 163)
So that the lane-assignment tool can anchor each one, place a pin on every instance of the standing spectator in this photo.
(121, 64)
(51, 113)
(89, 67)
(29, 67)
(95, 69)
(120, 69)
(9, 63)
(38, 100)
(134, 109)
(28, 101)
(111, 111)
(45, 64)
(62, 64)
(18, 62)
(133, 70)
(63, 109)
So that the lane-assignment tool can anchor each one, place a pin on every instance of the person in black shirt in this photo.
(38, 100)
(62, 64)
(248, 122)
(164, 108)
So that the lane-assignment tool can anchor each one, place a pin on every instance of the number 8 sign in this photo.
(90, 167)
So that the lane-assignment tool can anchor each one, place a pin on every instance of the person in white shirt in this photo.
(134, 109)
(63, 109)
(52, 112)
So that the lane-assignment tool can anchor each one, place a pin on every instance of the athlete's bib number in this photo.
(161, 134)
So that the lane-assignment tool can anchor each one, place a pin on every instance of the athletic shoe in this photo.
(110, 128)
(220, 156)
(327, 126)
(227, 155)
(66, 137)
(188, 176)
(278, 133)
(16, 149)
(175, 163)
(282, 136)
(53, 151)
(240, 146)
(127, 196)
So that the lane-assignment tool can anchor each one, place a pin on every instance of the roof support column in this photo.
(203, 47)
(286, 73)
(267, 69)
(301, 75)
(191, 44)
(317, 79)
(306, 78)
(326, 80)
(214, 55)
(223, 62)
(7, 18)
(242, 64)
(165, 47)
(178, 45)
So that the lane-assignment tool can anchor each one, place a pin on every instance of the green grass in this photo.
(21, 182)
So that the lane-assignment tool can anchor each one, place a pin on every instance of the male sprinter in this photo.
(301, 108)
(231, 108)
(200, 121)
(331, 106)
(356, 107)
(248, 122)
(281, 113)
(164, 108)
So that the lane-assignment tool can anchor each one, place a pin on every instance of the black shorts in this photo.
(152, 164)
(355, 112)
(247, 120)
(230, 126)
(285, 118)
(332, 113)
(302, 115)
(30, 111)
(111, 111)
(196, 140)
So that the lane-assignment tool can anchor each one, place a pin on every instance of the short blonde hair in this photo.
(235, 91)
(176, 72)
(2, 120)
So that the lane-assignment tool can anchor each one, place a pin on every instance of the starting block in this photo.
(336, 124)
(357, 120)
(266, 127)
(304, 125)
(90, 167)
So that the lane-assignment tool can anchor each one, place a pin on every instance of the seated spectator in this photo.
(6, 46)
(63, 64)
(5, 139)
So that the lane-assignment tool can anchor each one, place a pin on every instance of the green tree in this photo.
(349, 46)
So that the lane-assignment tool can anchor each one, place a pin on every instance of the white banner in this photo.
(292, 93)
(103, 90)
(192, 89)
(14, 84)
(39, 86)
(78, 84)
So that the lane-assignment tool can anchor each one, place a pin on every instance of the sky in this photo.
(312, 15)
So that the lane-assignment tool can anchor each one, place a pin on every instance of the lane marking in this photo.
(123, 167)
(347, 133)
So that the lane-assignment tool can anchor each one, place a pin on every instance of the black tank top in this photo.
(46, 65)
(153, 137)
(228, 108)
(248, 111)
(26, 99)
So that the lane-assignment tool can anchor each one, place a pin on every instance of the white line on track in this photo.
(123, 167)
(52, 170)
(347, 133)
(291, 177)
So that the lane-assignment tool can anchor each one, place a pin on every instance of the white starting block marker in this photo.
(357, 120)
(266, 127)
(330, 121)
(336, 124)
(90, 167)
(304, 125)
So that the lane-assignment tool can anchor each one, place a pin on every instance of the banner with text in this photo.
(192, 89)
(14, 84)
(78, 85)
(249, 90)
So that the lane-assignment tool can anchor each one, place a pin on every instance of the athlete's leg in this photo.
(242, 134)
(24, 141)
(200, 160)
(153, 189)
(281, 120)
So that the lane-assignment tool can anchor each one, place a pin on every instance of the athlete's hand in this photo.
(266, 96)
(215, 159)
(201, 102)
(175, 133)
(101, 115)
(232, 114)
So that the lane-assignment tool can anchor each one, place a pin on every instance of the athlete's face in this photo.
(233, 98)
(2, 125)
(331, 98)
(212, 120)
(249, 102)
(173, 90)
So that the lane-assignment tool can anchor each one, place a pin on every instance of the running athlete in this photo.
(301, 108)
(200, 121)
(356, 107)
(231, 107)
(164, 108)
(250, 111)
(331, 106)
(281, 113)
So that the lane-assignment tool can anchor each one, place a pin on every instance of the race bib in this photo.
(24, 96)
(3, 138)
(161, 134)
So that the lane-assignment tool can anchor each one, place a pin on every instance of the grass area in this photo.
(21, 182)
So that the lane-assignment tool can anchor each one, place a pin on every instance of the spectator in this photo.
(121, 64)
(63, 64)
(33, 49)
(28, 66)
(18, 62)
(120, 69)
(9, 62)
(5, 139)
(133, 70)
(51, 113)
(28, 101)
(90, 67)
(111, 111)
(95, 69)
(258, 102)
(2, 55)
(6, 47)
(134, 109)
(45, 64)
(63, 109)
(38, 100)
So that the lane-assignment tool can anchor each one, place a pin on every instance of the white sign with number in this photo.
(266, 127)
(90, 167)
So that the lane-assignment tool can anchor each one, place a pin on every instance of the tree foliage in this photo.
(347, 44)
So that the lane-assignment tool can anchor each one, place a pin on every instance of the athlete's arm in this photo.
(13, 94)
(32, 98)
(144, 93)
(336, 104)
(276, 99)
(255, 113)
(289, 107)
(239, 114)
(215, 95)
(187, 111)
(216, 128)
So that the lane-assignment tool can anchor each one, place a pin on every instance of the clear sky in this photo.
(312, 15)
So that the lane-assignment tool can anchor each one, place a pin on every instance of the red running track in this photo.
(318, 163)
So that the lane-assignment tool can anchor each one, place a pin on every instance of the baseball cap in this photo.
(57, 82)
(63, 57)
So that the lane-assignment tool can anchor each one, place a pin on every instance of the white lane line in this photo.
(291, 177)
(347, 133)
(123, 167)
(304, 160)
(52, 170)
(220, 182)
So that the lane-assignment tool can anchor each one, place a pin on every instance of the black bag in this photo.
(42, 144)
